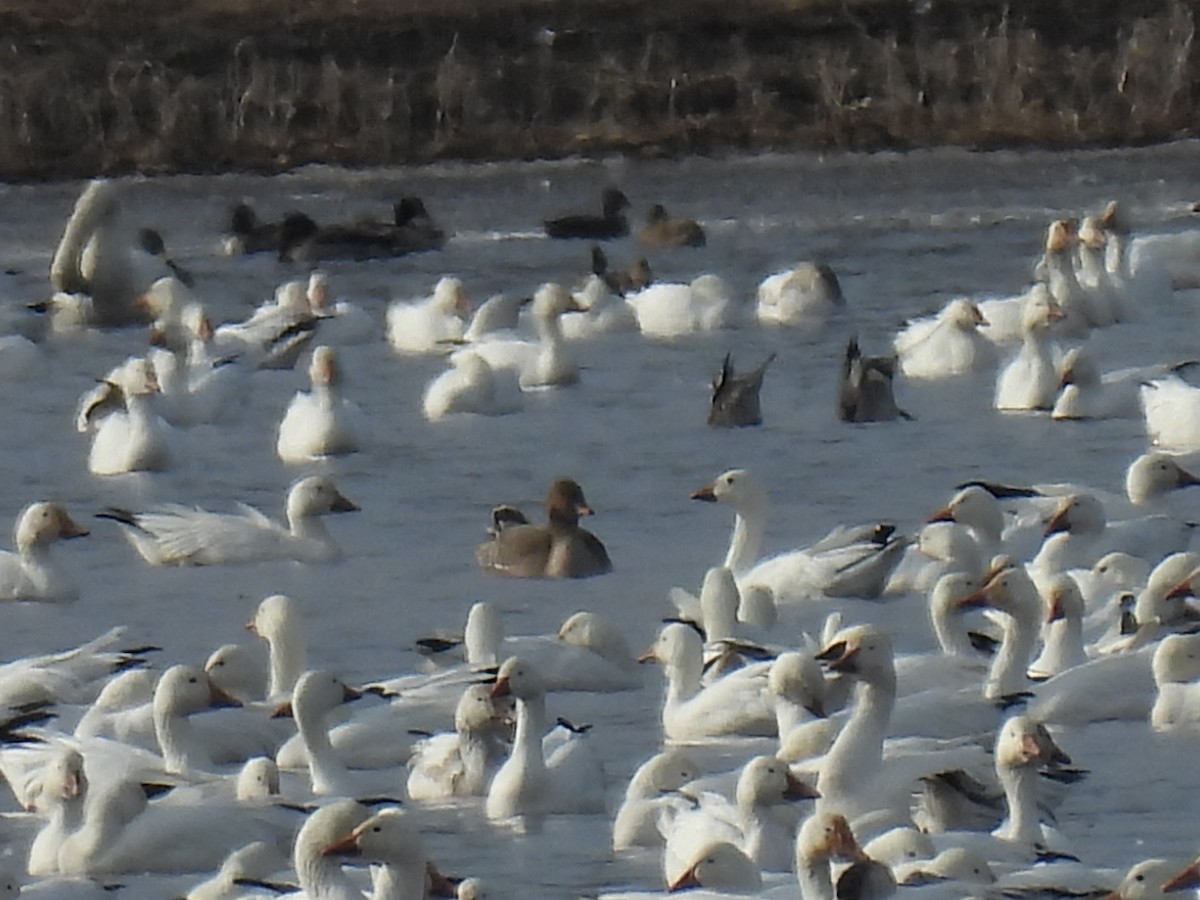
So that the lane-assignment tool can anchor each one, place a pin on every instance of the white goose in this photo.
(1083, 393)
(317, 694)
(29, 573)
(459, 763)
(1029, 380)
(320, 422)
(134, 438)
(654, 786)
(98, 256)
(528, 784)
(279, 621)
(945, 345)
(805, 295)
(1062, 632)
(390, 840)
(425, 326)
(1176, 668)
(760, 821)
(340, 322)
(722, 868)
(543, 363)
(195, 386)
(823, 838)
(63, 791)
(320, 875)
(176, 535)
(848, 562)
(736, 704)
(1171, 408)
(470, 385)
(668, 310)
(181, 691)
(275, 333)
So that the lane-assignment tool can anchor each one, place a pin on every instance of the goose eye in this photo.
(377, 829)
(192, 680)
(1139, 877)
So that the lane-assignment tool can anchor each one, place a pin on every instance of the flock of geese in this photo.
(857, 771)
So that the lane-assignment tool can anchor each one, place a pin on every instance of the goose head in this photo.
(316, 495)
(450, 297)
(64, 780)
(184, 690)
(518, 678)
(767, 781)
(1092, 235)
(292, 297)
(798, 677)
(824, 836)
(1061, 236)
(1023, 742)
(976, 508)
(132, 687)
(1041, 310)
(318, 291)
(477, 709)
(1177, 659)
(1154, 474)
(237, 670)
(388, 837)
(258, 779)
(954, 864)
(41, 524)
(1168, 583)
(323, 369)
(483, 634)
(678, 645)
(1078, 368)
(551, 300)
(1009, 590)
(325, 826)
(318, 692)
(468, 889)
(720, 866)
(736, 488)
(964, 315)
(861, 651)
(565, 503)
(1149, 880)
(1064, 600)
(898, 845)
(667, 771)
(586, 629)
(276, 616)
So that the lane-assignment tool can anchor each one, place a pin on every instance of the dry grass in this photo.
(106, 85)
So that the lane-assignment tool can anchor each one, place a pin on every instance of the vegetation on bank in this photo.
(107, 86)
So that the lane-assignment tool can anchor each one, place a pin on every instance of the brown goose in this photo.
(557, 549)
(664, 230)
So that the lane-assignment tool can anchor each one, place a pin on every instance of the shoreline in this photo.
(143, 86)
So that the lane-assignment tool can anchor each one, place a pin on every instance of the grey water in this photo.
(904, 232)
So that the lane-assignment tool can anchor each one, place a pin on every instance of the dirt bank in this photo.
(109, 86)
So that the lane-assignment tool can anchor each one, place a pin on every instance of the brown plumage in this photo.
(557, 549)
(664, 230)
(621, 281)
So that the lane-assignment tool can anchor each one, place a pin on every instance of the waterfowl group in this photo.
(1033, 636)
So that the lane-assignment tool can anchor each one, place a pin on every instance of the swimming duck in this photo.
(558, 549)
(611, 223)
(865, 390)
(664, 230)
(735, 402)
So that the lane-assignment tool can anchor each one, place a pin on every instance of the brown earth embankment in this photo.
(110, 86)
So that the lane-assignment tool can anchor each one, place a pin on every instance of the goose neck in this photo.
(398, 882)
(1020, 791)
(749, 525)
(1007, 675)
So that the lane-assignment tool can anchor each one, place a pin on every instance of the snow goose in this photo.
(133, 439)
(848, 562)
(254, 862)
(720, 867)
(1010, 591)
(545, 362)
(279, 621)
(654, 785)
(528, 784)
(735, 704)
(29, 572)
(1171, 409)
(390, 840)
(1029, 379)
(195, 387)
(63, 792)
(804, 295)
(98, 256)
(822, 838)
(275, 333)
(1102, 302)
(320, 422)
(189, 536)
(1077, 314)
(317, 694)
(945, 345)
(470, 385)
(340, 322)
(611, 222)
(239, 671)
(123, 710)
(558, 549)
(760, 822)
(459, 763)
(320, 874)
(181, 691)
(423, 326)
(1062, 632)
(77, 675)
(673, 309)
(603, 309)
(1176, 667)
(1083, 393)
